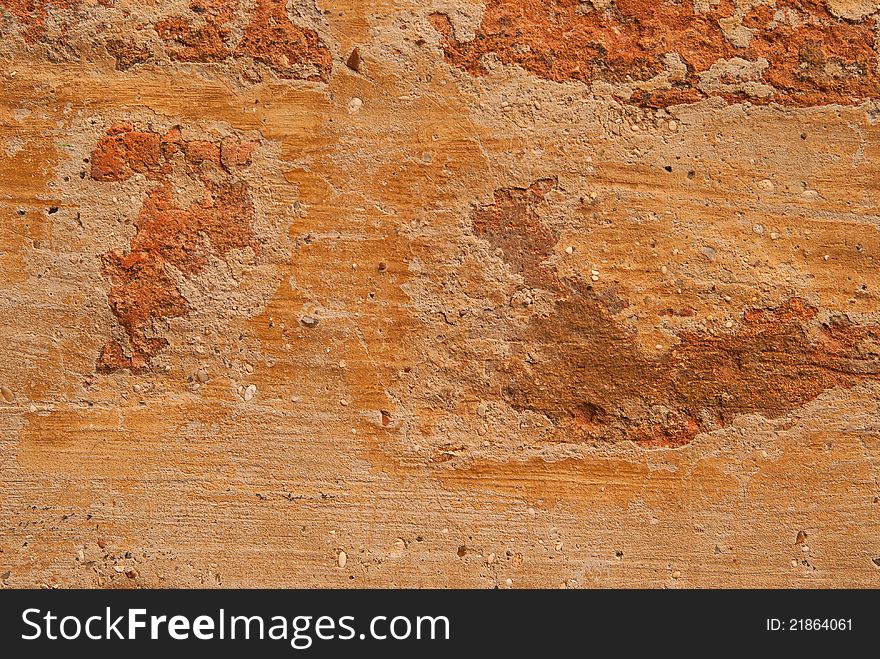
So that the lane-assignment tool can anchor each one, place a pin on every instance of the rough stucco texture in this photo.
(511, 293)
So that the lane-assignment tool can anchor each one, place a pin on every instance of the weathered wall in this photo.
(439, 293)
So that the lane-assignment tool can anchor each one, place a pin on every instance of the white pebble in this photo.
(509, 583)
(342, 559)
(569, 250)
(249, 392)
(355, 105)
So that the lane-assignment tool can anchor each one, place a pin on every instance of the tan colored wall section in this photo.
(521, 293)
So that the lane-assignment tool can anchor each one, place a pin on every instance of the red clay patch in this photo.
(142, 292)
(796, 53)
(580, 368)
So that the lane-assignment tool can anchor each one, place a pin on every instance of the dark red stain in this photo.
(127, 53)
(142, 292)
(820, 60)
(584, 371)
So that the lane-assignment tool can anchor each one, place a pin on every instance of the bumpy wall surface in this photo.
(505, 293)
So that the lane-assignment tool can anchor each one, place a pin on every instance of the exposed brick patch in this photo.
(32, 14)
(142, 292)
(203, 36)
(290, 51)
(270, 38)
(796, 52)
(125, 151)
(207, 31)
(584, 371)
